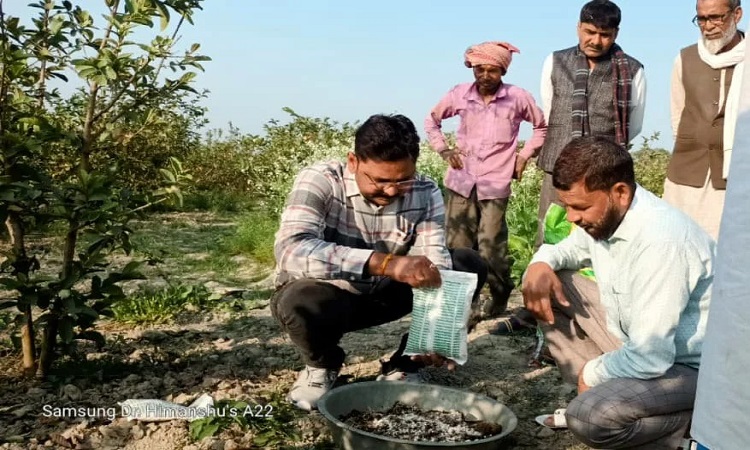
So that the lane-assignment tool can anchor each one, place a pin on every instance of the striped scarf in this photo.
(623, 81)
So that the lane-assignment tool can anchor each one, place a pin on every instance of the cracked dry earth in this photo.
(243, 357)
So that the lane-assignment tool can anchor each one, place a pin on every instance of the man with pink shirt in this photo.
(485, 160)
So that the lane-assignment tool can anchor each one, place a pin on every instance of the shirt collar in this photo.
(473, 93)
(350, 184)
(628, 228)
(351, 188)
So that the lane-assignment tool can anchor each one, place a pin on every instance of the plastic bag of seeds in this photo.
(439, 317)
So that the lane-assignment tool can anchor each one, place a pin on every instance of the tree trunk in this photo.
(27, 343)
(17, 241)
(49, 341)
(49, 337)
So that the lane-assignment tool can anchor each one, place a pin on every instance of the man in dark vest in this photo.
(705, 90)
(592, 88)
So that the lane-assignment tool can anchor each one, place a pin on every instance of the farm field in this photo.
(232, 349)
(137, 245)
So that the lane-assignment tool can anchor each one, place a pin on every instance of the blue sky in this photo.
(349, 59)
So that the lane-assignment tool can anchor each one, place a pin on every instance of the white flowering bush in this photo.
(281, 177)
(431, 164)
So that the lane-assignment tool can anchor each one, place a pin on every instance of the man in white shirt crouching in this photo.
(632, 340)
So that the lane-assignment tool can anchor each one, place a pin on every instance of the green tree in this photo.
(122, 80)
(650, 165)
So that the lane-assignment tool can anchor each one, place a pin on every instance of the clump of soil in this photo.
(411, 423)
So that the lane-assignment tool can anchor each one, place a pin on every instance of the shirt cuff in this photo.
(353, 267)
(444, 152)
(544, 254)
(590, 376)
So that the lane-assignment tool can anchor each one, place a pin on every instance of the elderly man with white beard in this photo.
(705, 87)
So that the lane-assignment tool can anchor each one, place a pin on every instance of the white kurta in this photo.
(720, 420)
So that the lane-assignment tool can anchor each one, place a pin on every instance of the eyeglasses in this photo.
(400, 186)
(715, 19)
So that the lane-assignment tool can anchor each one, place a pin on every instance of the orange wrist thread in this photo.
(385, 262)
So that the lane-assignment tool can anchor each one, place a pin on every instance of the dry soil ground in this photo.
(238, 354)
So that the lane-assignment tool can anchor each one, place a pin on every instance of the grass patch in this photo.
(217, 201)
(209, 247)
(254, 237)
(188, 246)
(161, 305)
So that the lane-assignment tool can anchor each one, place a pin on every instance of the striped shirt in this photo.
(654, 276)
(329, 231)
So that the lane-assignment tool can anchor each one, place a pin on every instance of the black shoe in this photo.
(398, 362)
(513, 325)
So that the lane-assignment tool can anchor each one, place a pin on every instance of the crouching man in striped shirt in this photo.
(632, 340)
(355, 238)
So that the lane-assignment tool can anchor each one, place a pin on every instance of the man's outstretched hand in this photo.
(540, 286)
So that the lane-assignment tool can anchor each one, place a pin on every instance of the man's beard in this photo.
(714, 46)
(606, 226)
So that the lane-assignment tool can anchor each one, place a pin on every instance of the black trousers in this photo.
(316, 314)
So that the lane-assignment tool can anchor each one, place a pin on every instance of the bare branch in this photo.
(88, 125)
(174, 36)
(3, 80)
(43, 69)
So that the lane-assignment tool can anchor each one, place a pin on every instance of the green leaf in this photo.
(69, 305)
(96, 283)
(113, 291)
(518, 243)
(556, 225)
(176, 164)
(93, 336)
(66, 329)
(164, 14)
(43, 319)
(169, 176)
(130, 8)
(203, 428)
(59, 76)
(110, 73)
(178, 196)
(8, 304)
(261, 440)
(30, 298)
(10, 283)
(187, 77)
(131, 267)
(87, 310)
